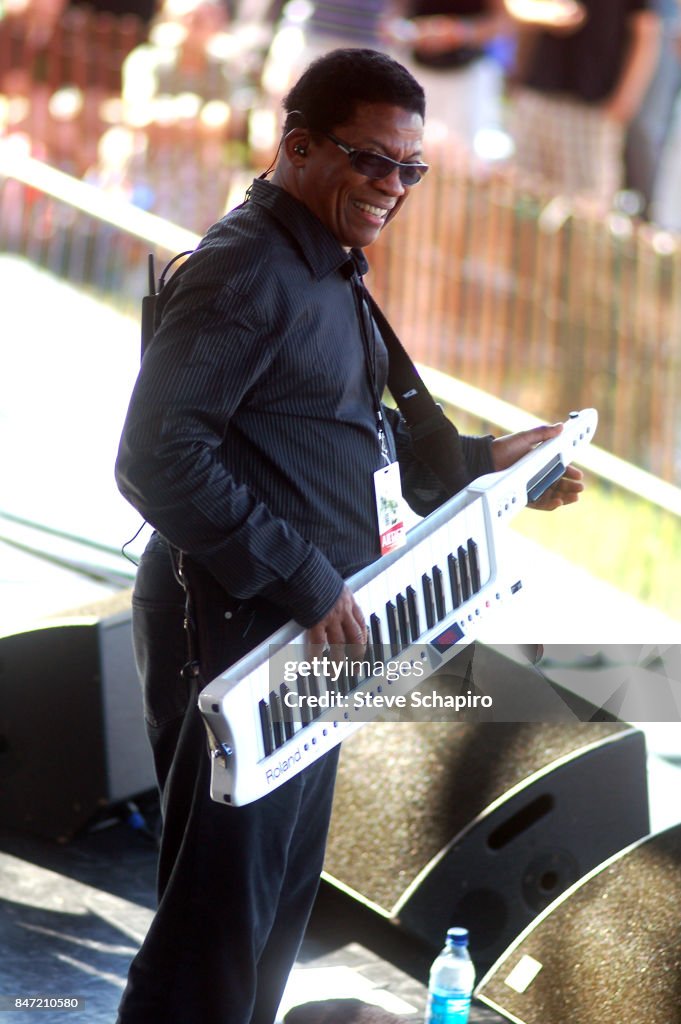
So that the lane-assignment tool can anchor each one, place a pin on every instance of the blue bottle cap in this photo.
(458, 936)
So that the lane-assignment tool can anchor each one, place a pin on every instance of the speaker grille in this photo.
(405, 790)
(608, 950)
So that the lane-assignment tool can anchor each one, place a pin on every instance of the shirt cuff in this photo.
(311, 592)
(477, 452)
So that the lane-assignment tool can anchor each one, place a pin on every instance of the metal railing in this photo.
(79, 232)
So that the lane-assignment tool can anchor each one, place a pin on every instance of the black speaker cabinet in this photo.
(607, 950)
(72, 737)
(482, 825)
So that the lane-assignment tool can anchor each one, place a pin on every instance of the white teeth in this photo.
(377, 211)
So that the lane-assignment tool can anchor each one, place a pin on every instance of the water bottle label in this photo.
(448, 1008)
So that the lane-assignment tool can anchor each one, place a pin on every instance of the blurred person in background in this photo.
(577, 87)
(458, 49)
(649, 130)
(306, 29)
(184, 49)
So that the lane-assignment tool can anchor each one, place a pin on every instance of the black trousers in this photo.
(236, 885)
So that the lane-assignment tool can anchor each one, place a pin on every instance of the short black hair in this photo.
(331, 88)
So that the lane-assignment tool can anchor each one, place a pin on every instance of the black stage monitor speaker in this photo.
(608, 949)
(72, 737)
(482, 825)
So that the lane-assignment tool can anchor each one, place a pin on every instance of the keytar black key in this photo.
(287, 711)
(266, 726)
(304, 693)
(439, 593)
(403, 620)
(393, 635)
(474, 564)
(413, 609)
(466, 589)
(315, 691)
(343, 683)
(352, 678)
(277, 719)
(428, 601)
(455, 580)
(376, 637)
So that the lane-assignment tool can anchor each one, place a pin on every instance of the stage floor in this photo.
(72, 916)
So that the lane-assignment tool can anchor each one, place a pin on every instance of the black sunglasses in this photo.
(375, 165)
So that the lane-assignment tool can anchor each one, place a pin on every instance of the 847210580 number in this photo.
(25, 1002)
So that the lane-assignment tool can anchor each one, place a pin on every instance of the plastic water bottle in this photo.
(451, 981)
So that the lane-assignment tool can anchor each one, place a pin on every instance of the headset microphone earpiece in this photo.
(300, 150)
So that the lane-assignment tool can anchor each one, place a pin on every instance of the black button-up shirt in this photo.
(251, 438)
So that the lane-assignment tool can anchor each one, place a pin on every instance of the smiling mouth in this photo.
(375, 211)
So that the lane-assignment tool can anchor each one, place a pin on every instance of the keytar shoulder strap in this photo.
(436, 440)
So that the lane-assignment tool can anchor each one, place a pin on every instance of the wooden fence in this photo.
(542, 302)
(483, 284)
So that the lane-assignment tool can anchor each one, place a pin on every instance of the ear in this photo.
(296, 144)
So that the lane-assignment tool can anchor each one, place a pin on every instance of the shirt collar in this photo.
(321, 250)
